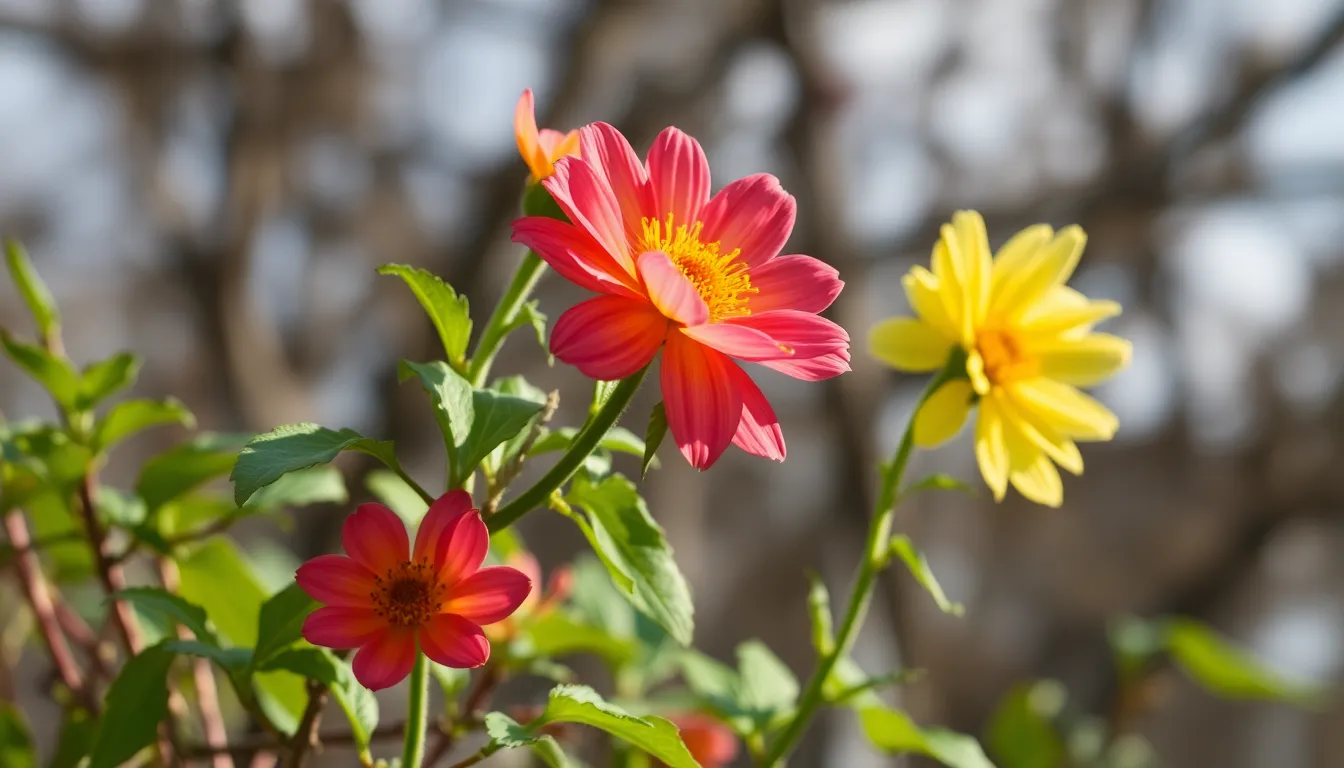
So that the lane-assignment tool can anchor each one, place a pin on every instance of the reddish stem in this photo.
(39, 599)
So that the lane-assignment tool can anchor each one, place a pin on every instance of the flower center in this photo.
(408, 595)
(1005, 359)
(721, 280)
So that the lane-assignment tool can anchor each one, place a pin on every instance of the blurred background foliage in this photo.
(211, 183)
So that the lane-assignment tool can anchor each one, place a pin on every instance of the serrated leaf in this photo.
(516, 386)
(130, 416)
(357, 702)
(16, 743)
(451, 394)
(280, 623)
(902, 548)
(446, 309)
(767, 685)
(397, 495)
(819, 611)
(635, 551)
(178, 470)
(106, 377)
(1021, 733)
(33, 290)
(1226, 670)
(653, 436)
(894, 732)
(161, 602)
(134, 706)
(316, 485)
(266, 458)
(498, 417)
(654, 735)
(55, 374)
(529, 314)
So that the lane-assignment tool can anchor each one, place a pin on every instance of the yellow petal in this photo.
(941, 416)
(1065, 312)
(975, 370)
(990, 452)
(922, 289)
(1040, 482)
(1050, 267)
(1012, 257)
(1057, 446)
(908, 344)
(1065, 409)
(950, 288)
(1083, 361)
(975, 264)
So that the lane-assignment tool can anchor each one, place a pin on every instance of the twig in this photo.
(207, 693)
(109, 572)
(306, 736)
(259, 742)
(509, 472)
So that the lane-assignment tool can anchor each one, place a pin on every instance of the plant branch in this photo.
(207, 693)
(306, 735)
(509, 473)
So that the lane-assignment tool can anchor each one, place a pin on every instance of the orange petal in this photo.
(525, 133)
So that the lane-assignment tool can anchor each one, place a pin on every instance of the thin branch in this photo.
(207, 693)
(509, 472)
(243, 746)
(306, 735)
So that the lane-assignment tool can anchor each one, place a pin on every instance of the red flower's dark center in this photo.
(408, 595)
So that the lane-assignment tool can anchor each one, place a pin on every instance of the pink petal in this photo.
(759, 432)
(574, 254)
(386, 660)
(454, 642)
(670, 291)
(794, 282)
(526, 564)
(489, 595)
(336, 580)
(342, 627)
(375, 538)
(703, 402)
(611, 156)
(754, 215)
(739, 341)
(462, 548)
(807, 334)
(590, 204)
(815, 369)
(679, 177)
(441, 515)
(609, 337)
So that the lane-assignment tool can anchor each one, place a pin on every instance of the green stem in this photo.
(414, 751)
(875, 558)
(506, 312)
(583, 446)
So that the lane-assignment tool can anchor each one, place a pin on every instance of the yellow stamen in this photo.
(1005, 358)
(408, 595)
(722, 281)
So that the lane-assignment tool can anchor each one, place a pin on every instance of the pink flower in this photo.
(540, 149)
(536, 606)
(699, 278)
(387, 599)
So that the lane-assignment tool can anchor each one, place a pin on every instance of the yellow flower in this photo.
(1028, 343)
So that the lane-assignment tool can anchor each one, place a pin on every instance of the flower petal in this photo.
(1056, 445)
(336, 580)
(671, 291)
(1049, 267)
(951, 290)
(525, 133)
(607, 151)
(1084, 361)
(375, 538)
(575, 255)
(609, 337)
(590, 204)
(1064, 408)
(924, 292)
(1040, 482)
(1013, 257)
(794, 282)
(454, 642)
(908, 344)
(974, 263)
(702, 399)
(1063, 312)
(342, 627)
(941, 416)
(556, 144)
(462, 548)
(442, 515)
(738, 341)
(991, 452)
(386, 660)
(817, 368)
(759, 432)
(807, 335)
(678, 176)
(489, 595)
(754, 215)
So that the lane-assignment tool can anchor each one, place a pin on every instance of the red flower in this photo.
(710, 742)
(386, 599)
(700, 278)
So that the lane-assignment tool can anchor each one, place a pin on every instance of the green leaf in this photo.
(518, 387)
(601, 393)
(106, 377)
(33, 290)
(940, 482)
(581, 704)
(653, 436)
(451, 681)
(401, 498)
(638, 557)
(73, 744)
(280, 624)
(529, 314)
(131, 416)
(902, 547)
(498, 417)
(1021, 732)
(1227, 671)
(16, 744)
(894, 732)
(233, 660)
(617, 439)
(767, 685)
(171, 474)
(315, 485)
(452, 397)
(134, 706)
(1135, 643)
(448, 311)
(506, 733)
(55, 374)
(559, 635)
(160, 602)
(356, 701)
(268, 457)
(819, 609)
